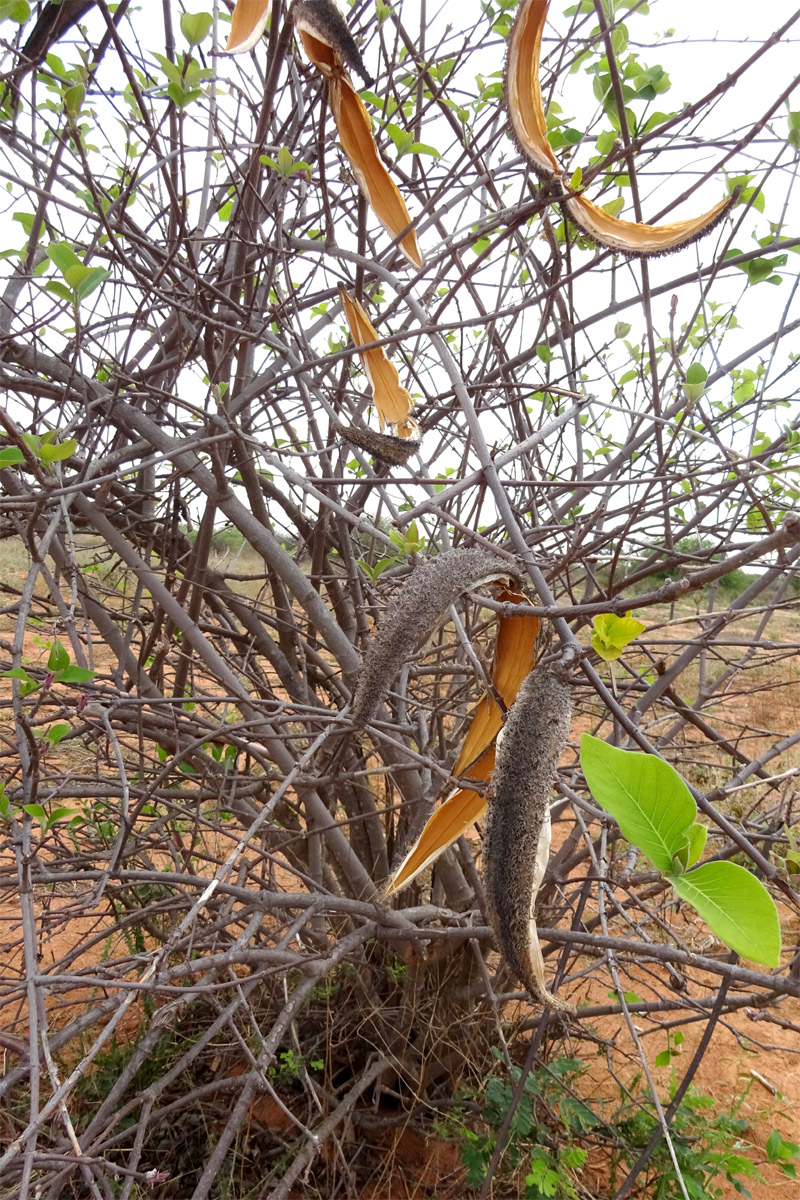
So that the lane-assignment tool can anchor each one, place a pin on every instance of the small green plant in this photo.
(533, 1147)
(707, 1142)
(782, 1152)
(656, 812)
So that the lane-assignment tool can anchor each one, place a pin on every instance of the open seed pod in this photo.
(514, 658)
(247, 25)
(642, 241)
(330, 47)
(523, 90)
(419, 608)
(392, 401)
(377, 185)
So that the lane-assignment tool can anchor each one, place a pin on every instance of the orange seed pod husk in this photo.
(392, 401)
(642, 241)
(247, 25)
(514, 659)
(377, 185)
(523, 90)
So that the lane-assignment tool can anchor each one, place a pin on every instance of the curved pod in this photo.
(523, 90)
(643, 241)
(247, 24)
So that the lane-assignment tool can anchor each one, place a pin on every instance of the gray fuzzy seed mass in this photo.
(385, 446)
(419, 608)
(324, 18)
(533, 739)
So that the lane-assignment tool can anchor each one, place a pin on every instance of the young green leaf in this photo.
(612, 634)
(58, 451)
(92, 279)
(74, 674)
(736, 907)
(11, 456)
(650, 802)
(698, 835)
(15, 10)
(58, 657)
(195, 27)
(59, 814)
(60, 290)
(63, 257)
(695, 383)
(73, 100)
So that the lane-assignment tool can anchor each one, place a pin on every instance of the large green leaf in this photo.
(651, 803)
(736, 907)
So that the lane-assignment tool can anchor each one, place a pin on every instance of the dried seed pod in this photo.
(320, 24)
(513, 660)
(517, 844)
(522, 88)
(643, 241)
(421, 605)
(379, 189)
(392, 401)
(247, 25)
(329, 44)
(390, 448)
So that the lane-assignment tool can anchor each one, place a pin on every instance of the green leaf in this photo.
(18, 673)
(11, 456)
(696, 373)
(59, 814)
(58, 658)
(629, 997)
(759, 270)
(73, 100)
(605, 142)
(92, 279)
(74, 674)
(612, 634)
(58, 451)
(195, 27)
(781, 1151)
(56, 734)
(15, 10)
(793, 137)
(651, 803)
(63, 257)
(663, 1059)
(621, 329)
(36, 811)
(403, 140)
(695, 384)
(285, 162)
(736, 907)
(697, 834)
(59, 289)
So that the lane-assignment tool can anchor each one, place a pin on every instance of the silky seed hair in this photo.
(420, 606)
(517, 840)
(323, 20)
